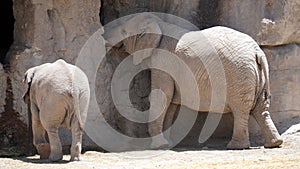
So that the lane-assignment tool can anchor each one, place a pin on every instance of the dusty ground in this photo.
(286, 157)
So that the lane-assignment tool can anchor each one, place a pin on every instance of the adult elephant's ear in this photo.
(139, 33)
(149, 38)
(28, 76)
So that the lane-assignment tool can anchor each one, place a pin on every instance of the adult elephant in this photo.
(58, 95)
(244, 65)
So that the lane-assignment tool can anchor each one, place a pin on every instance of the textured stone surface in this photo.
(45, 31)
(270, 22)
(3, 79)
(113, 9)
(282, 26)
(50, 30)
(285, 84)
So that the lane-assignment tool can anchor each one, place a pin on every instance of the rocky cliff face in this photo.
(43, 32)
(46, 30)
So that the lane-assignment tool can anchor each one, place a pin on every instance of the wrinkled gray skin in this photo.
(245, 67)
(58, 95)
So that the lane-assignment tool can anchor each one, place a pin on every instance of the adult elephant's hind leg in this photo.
(240, 136)
(263, 119)
(272, 137)
(39, 140)
(76, 139)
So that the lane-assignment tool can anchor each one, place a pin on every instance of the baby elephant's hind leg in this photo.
(76, 139)
(39, 140)
(39, 134)
(55, 144)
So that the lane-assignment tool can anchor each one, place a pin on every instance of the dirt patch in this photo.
(288, 156)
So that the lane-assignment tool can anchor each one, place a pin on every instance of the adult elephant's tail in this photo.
(262, 61)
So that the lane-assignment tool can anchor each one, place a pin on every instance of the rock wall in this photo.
(46, 30)
(285, 84)
(3, 77)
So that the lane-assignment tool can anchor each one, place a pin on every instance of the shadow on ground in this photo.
(37, 160)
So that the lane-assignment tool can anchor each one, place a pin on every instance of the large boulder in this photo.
(270, 22)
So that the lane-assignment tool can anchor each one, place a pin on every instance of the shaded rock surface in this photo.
(3, 77)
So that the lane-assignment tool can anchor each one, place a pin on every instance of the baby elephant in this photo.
(58, 95)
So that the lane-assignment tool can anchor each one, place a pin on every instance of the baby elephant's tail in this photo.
(77, 108)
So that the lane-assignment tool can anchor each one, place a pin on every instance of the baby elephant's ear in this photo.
(28, 76)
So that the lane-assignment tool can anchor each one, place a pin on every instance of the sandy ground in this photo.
(288, 156)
